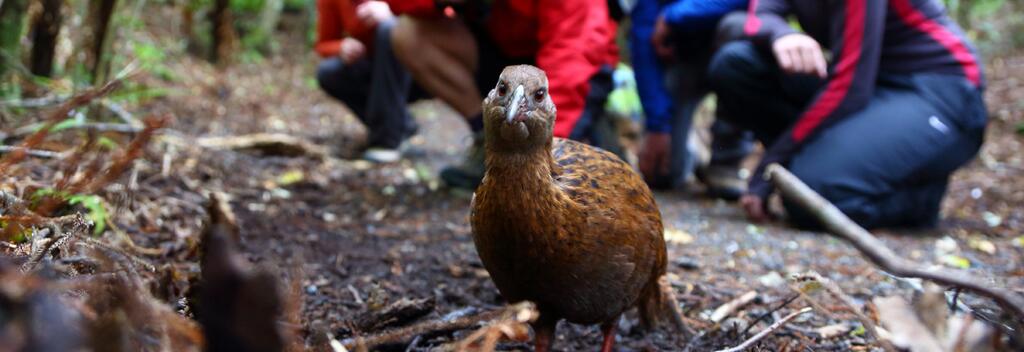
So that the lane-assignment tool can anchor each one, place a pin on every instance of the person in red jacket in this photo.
(360, 69)
(456, 50)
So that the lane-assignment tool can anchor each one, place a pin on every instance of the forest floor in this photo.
(349, 231)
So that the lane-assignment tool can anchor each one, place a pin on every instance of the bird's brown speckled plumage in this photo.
(568, 226)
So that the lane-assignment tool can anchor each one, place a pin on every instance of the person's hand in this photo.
(351, 50)
(660, 40)
(654, 156)
(798, 53)
(754, 206)
(371, 13)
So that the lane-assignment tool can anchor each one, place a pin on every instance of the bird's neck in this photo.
(524, 171)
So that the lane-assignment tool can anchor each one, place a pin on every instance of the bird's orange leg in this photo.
(543, 333)
(608, 329)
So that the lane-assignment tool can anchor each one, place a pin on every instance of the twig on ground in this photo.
(875, 250)
(406, 334)
(730, 307)
(770, 312)
(121, 113)
(511, 324)
(395, 314)
(267, 143)
(11, 204)
(869, 325)
(99, 127)
(41, 102)
(753, 339)
(35, 102)
(55, 117)
(35, 153)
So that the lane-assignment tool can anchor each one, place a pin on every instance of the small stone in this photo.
(771, 279)
(991, 219)
(976, 193)
(946, 245)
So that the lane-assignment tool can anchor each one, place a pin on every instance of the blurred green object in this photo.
(624, 100)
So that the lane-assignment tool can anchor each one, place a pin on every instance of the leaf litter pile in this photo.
(229, 214)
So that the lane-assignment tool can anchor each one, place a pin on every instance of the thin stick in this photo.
(753, 339)
(35, 153)
(875, 250)
(768, 313)
(88, 126)
(406, 334)
(732, 306)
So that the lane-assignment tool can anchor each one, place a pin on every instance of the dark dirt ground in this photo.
(346, 229)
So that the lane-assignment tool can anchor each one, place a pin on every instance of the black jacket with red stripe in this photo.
(867, 38)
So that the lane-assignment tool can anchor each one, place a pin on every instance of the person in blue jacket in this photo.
(671, 42)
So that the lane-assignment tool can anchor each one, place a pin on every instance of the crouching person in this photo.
(671, 44)
(879, 129)
(359, 68)
(456, 49)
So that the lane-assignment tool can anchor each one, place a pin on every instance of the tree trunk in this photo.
(224, 38)
(98, 39)
(270, 15)
(44, 37)
(12, 24)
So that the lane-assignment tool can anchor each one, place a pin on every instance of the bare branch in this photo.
(406, 334)
(35, 153)
(753, 339)
(875, 250)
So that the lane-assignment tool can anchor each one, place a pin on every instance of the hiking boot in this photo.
(383, 155)
(723, 181)
(467, 174)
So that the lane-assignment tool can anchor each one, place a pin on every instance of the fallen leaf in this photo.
(678, 236)
(955, 261)
(754, 230)
(290, 177)
(982, 245)
(830, 331)
(771, 279)
(906, 328)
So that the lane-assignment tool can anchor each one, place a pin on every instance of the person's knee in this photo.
(406, 40)
(819, 182)
(328, 71)
(734, 61)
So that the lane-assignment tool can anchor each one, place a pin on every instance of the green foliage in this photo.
(96, 211)
(995, 26)
(1020, 128)
(93, 204)
(151, 58)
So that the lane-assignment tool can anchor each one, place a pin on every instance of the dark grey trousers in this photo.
(886, 165)
(688, 82)
(375, 88)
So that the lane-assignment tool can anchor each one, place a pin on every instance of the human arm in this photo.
(574, 38)
(856, 37)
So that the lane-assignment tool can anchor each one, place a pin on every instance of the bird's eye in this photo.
(539, 95)
(502, 89)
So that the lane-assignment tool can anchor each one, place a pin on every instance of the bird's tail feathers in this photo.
(659, 308)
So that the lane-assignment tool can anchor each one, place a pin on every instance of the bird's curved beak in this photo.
(514, 104)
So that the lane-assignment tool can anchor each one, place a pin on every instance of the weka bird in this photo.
(565, 225)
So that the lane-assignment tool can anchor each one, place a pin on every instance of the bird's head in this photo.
(518, 112)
